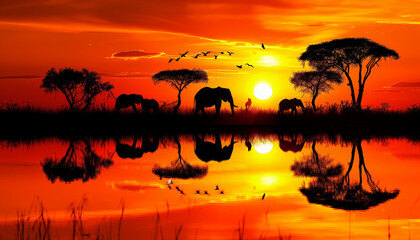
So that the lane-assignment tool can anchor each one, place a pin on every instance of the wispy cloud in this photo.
(20, 76)
(405, 85)
(135, 55)
(136, 185)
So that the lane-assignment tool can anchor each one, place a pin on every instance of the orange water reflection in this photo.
(211, 205)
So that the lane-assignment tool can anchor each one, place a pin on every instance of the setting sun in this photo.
(263, 91)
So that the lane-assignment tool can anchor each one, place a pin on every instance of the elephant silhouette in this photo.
(208, 97)
(128, 100)
(208, 151)
(132, 151)
(293, 146)
(150, 104)
(287, 104)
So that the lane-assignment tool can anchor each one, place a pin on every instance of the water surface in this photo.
(224, 186)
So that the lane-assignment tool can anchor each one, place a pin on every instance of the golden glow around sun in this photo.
(269, 180)
(263, 147)
(263, 91)
(269, 61)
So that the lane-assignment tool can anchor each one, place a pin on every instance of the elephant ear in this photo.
(220, 92)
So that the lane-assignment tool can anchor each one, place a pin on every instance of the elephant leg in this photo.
(218, 106)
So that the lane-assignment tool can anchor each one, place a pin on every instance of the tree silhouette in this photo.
(332, 188)
(343, 54)
(180, 168)
(79, 87)
(180, 79)
(71, 167)
(316, 166)
(315, 82)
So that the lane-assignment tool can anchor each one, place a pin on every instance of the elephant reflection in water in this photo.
(292, 145)
(132, 151)
(334, 189)
(208, 151)
(79, 162)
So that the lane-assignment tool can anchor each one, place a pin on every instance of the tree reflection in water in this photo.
(331, 188)
(180, 168)
(79, 162)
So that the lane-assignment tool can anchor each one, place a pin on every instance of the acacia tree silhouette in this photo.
(180, 168)
(180, 79)
(316, 166)
(343, 54)
(315, 82)
(332, 188)
(72, 167)
(79, 87)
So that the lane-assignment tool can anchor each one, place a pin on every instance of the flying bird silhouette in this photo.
(215, 56)
(217, 187)
(222, 192)
(205, 53)
(177, 59)
(262, 45)
(196, 56)
(230, 53)
(205, 192)
(183, 54)
(249, 65)
(197, 192)
(239, 66)
(222, 52)
(170, 60)
(177, 188)
(263, 197)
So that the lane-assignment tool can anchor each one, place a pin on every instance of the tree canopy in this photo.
(79, 162)
(180, 168)
(343, 54)
(334, 188)
(315, 82)
(180, 79)
(79, 87)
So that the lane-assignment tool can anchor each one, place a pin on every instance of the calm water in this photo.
(223, 187)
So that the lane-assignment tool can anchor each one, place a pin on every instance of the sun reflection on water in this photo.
(263, 147)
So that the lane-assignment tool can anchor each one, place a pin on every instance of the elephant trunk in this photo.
(232, 106)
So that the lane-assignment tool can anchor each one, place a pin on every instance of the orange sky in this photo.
(40, 34)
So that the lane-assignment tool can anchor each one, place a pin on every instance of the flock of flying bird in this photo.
(205, 53)
(198, 191)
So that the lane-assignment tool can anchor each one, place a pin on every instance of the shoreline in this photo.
(40, 124)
